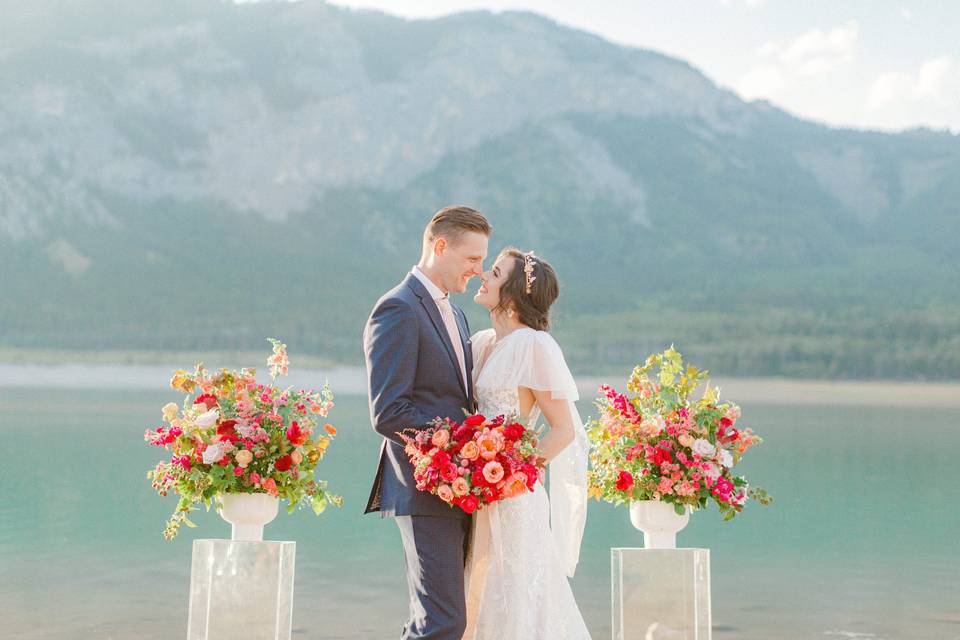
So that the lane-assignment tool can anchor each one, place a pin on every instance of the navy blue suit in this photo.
(414, 377)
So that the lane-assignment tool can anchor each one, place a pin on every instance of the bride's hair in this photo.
(532, 308)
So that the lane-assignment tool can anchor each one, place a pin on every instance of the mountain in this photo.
(196, 174)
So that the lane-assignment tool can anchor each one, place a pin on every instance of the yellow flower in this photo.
(181, 382)
(170, 411)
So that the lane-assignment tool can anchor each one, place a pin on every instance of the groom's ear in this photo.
(439, 246)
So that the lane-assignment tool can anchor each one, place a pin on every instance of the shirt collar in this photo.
(432, 288)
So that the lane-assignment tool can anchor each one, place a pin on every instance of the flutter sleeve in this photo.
(541, 366)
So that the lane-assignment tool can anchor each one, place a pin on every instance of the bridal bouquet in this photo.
(475, 463)
(657, 444)
(233, 435)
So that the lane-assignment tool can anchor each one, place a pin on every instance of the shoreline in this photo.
(346, 380)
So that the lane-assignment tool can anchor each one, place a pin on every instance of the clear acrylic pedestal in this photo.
(661, 594)
(241, 589)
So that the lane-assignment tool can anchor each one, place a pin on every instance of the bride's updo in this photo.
(533, 309)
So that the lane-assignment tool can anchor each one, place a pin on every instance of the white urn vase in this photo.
(248, 513)
(659, 523)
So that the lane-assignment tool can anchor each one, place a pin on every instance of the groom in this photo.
(417, 347)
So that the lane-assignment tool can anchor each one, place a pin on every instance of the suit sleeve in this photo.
(391, 345)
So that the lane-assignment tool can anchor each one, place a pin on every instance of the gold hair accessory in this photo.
(528, 264)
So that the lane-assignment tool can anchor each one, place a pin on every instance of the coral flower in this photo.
(490, 443)
(270, 485)
(515, 485)
(470, 451)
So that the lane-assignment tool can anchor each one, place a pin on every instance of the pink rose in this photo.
(440, 438)
(493, 472)
(445, 492)
(461, 487)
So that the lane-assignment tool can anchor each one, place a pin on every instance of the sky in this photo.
(878, 64)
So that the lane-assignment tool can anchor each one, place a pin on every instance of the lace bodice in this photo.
(494, 402)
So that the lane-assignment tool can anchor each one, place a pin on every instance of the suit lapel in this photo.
(430, 306)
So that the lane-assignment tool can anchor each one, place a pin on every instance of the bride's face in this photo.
(491, 281)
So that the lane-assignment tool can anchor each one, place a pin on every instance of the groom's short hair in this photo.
(452, 222)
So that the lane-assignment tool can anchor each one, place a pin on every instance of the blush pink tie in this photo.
(446, 312)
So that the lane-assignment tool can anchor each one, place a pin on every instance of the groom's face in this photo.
(462, 259)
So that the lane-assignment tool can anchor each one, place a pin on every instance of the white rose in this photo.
(208, 419)
(214, 453)
(703, 447)
(726, 459)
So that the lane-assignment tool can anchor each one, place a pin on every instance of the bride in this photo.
(524, 548)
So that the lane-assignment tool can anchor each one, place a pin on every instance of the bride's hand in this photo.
(542, 470)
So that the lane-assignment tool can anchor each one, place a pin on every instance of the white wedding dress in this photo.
(524, 548)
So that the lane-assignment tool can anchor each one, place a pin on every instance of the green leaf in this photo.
(319, 504)
(679, 509)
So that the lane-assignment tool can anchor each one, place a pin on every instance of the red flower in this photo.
(477, 479)
(226, 428)
(474, 421)
(513, 431)
(462, 433)
(283, 463)
(209, 400)
(469, 503)
(295, 435)
(726, 422)
(440, 459)
(661, 456)
(532, 474)
(448, 473)
(625, 481)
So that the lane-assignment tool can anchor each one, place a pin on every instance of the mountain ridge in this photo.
(263, 151)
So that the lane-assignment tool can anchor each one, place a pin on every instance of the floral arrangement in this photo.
(475, 463)
(657, 444)
(238, 436)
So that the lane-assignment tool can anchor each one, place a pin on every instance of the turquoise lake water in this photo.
(861, 541)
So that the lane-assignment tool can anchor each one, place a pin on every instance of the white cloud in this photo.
(887, 88)
(937, 78)
(936, 82)
(815, 51)
(928, 95)
(746, 3)
(761, 82)
(788, 65)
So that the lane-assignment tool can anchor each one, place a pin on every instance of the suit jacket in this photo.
(413, 378)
